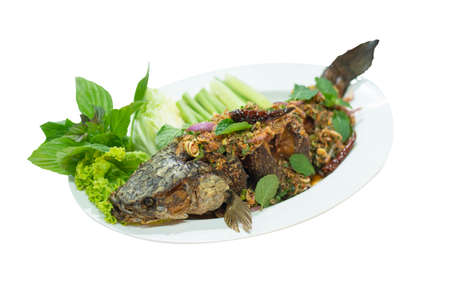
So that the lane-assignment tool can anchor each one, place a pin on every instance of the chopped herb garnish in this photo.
(281, 195)
(245, 150)
(166, 134)
(302, 92)
(266, 189)
(330, 93)
(341, 123)
(221, 149)
(301, 164)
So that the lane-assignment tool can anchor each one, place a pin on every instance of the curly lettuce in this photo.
(99, 174)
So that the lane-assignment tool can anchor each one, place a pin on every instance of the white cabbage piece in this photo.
(157, 111)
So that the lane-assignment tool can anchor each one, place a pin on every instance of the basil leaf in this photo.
(167, 134)
(301, 92)
(141, 87)
(69, 157)
(341, 123)
(227, 126)
(266, 189)
(108, 139)
(326, 88)
(54, 130)
(301, 164)
(119, 119)
(45, 155)
(90, 95)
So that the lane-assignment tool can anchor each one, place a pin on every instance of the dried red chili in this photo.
(335, 162)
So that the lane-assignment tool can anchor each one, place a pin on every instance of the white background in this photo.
(388, 241)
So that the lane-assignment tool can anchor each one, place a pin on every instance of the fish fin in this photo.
(350, 65)
(238, 212)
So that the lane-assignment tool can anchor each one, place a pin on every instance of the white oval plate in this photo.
(374, 138)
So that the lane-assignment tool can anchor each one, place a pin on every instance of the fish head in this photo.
(168, 187)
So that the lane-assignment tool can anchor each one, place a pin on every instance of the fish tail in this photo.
(350, 65)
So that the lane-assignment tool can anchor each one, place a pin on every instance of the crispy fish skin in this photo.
(171, 186)
(350, 65)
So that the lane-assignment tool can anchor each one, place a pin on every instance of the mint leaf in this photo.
(341, 102)
(301, 164)
(326, 88)
(90, 95)
(301, 92)
(341, 123)
(45, 155)
(227, 126)
(167, 134)
(54, 130)
(141, 87)
(119, 119)
(329, 92)
(266, 189)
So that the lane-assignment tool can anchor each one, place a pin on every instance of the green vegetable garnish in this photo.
(141, 88)
(247, 92)
(341, 123)
(119, 119)
(266, 189)
(90, 95)
(93, 150)
(301, 164)
(156, 111)
(302, 92)
(166, 134)
(56, 129)
(329, 92)
(227, 126)
(226, 95)
(98, 174)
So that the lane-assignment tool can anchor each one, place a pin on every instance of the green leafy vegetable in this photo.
(330, 93)
(166, 134)
(341, 102)
(227, 126)
(98, 174)
(54, 130)
(69, 157)
(141, 88)
(326, 87)
(301, 164)
(119, 119)
(266, 189)
(91, 95)
(46, 155)
(156, 111)
(302, 92)
(342, 124)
